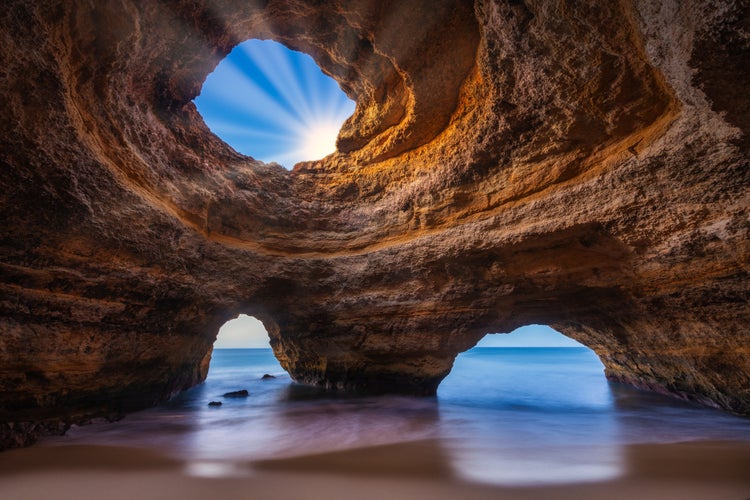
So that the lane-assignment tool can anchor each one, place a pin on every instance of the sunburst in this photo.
(274, 104)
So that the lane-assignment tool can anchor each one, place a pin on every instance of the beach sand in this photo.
(413, 470)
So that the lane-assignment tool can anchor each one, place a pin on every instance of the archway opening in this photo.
(529, 397)
(532, 367)
(274, 104)
(242, 358)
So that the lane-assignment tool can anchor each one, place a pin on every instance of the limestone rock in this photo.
(579, 164)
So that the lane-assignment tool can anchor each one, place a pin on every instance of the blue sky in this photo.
(273, 104)
(529, 336)
(248, 332)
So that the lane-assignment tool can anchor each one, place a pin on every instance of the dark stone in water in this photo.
(267, 377)
(237, 394)
(214, 403)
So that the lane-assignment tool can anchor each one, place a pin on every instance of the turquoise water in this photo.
(504, 415)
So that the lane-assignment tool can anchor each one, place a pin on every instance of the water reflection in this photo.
(426, 458)
(534, 466)
(216, 469)
(530, 416)
(281, 419)
(647, 417)
(509, 418)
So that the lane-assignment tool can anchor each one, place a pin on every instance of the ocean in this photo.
(509, 416)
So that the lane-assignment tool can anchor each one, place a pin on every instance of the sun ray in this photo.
(273, 60)
(274, 104)
(248, 65)
(253, 133)
(230, 93)
(261, 57)
(317, 87)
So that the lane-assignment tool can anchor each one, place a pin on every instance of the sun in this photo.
(274, 104)
(319, 140)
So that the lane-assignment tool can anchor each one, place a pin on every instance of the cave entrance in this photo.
(242, 356)
(532, 367)
(273, 104)
(519, 402)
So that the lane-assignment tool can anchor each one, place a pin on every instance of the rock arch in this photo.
(508, 163)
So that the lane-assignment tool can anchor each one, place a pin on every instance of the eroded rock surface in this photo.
(577, 164)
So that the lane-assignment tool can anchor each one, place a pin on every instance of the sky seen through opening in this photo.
(274, 104)
(246, 332)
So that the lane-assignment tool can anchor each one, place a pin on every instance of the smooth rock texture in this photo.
(579, 164)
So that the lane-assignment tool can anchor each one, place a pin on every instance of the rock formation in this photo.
(579, 164)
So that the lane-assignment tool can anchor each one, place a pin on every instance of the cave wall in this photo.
(578, 164)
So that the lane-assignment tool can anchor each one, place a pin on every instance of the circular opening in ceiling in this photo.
(274, 104)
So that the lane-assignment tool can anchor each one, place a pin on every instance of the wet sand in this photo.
(414, 470)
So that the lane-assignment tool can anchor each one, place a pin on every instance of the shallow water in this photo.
(504, 415)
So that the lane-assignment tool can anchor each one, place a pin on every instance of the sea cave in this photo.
(582, 165)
